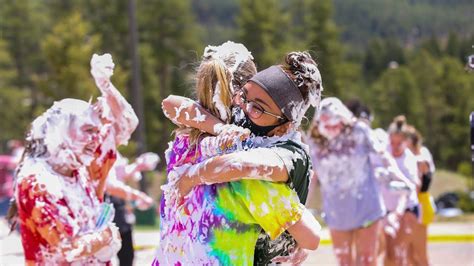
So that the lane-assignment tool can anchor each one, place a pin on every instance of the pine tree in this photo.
(22, 24)
(68, 49)
(456, 86)
(14, 102)
(262, 29)
(427, 71)
(170, 39)
(321, 36)
(380, 53)
(453, 47)
(396, 93)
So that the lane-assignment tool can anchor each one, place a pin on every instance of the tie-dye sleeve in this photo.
(274, 206)
(181, 152)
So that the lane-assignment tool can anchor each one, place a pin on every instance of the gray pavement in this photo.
(444, 249)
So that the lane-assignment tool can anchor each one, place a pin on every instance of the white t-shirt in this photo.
(407, 163)
(425, 156)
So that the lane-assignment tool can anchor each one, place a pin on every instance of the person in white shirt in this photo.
(426, 169)
(405, 241)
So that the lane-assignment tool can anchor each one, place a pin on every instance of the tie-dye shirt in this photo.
(219, 224)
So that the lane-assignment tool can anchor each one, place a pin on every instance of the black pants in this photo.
(126, 253)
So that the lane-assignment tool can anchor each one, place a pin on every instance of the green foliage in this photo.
(465, 169)
(395, 92)
(380, 53)
(466, 203)
(409, 21)
(170, 39)
(263, 29)
(320, 35)
(13, 101)
(45, 48)
(67, 51)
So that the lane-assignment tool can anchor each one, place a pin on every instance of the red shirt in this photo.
(54, 209)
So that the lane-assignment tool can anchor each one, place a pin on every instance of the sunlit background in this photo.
(397, 56)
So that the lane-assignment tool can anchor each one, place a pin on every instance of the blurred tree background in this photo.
(397, 56)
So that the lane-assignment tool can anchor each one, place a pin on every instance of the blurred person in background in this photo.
(426, 169)
(7, 168)
(341, 148)
(122, 195)
(407, 237)
(61, 179)
(16, 149)
(361, 111)
(394, 193)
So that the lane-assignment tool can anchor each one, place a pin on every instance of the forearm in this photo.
(186, 112)
(237, 166)
(395, 172)
(119, 113)
(306, 231)
(87, 245)
(120, 190)
(100, 188)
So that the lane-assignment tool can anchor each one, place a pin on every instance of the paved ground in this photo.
(452, 244)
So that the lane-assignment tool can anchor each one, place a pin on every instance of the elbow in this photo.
(167, 105)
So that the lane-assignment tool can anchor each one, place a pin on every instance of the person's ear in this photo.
(281, 130)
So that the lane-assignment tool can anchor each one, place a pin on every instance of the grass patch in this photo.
(447, 181)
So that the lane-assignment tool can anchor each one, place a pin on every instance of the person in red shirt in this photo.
(61, 179)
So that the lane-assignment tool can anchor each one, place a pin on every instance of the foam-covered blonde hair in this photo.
(223, 70)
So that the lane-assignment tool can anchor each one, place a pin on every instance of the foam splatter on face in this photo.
(330, 127)
(331, 117)
(67, 134)
(84, 136)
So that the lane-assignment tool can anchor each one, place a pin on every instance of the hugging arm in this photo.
(306, 231)
(232, 167)
(185, 112)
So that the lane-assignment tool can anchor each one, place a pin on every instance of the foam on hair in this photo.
(399, 126)
(304, 71)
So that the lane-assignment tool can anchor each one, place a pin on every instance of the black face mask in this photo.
(241, 119)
